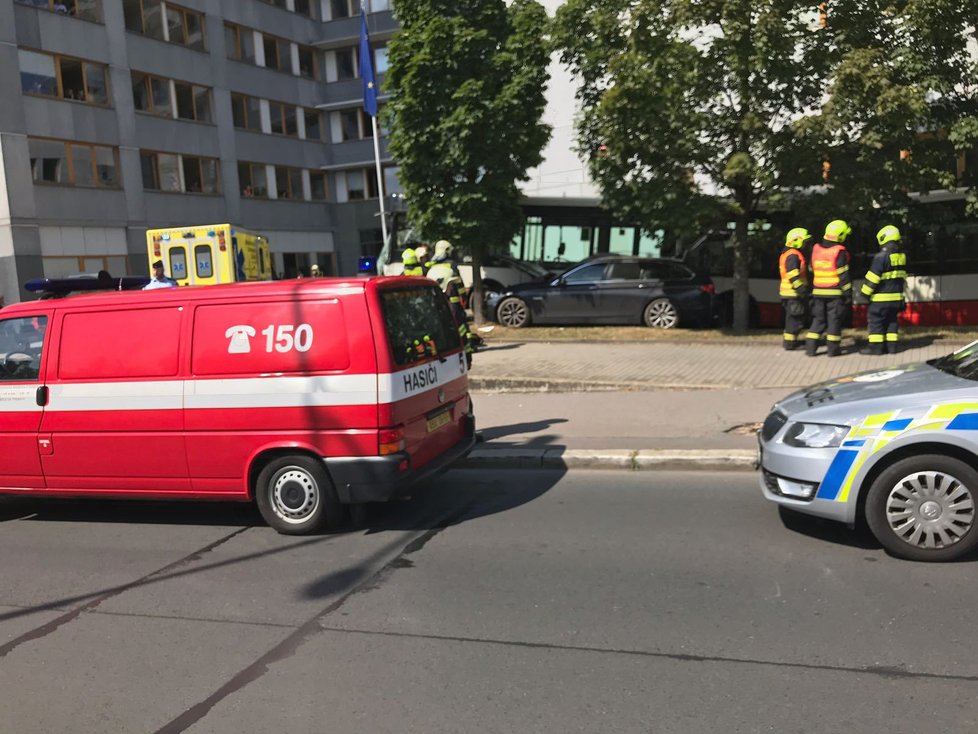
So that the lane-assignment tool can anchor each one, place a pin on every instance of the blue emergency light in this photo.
(367, 266)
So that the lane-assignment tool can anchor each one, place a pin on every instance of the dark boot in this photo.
(833, 349)
(892, 347)
(811, 347)
(790, 345)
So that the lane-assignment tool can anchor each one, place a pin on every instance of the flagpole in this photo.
(380, 180)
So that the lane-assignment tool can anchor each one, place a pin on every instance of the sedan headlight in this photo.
(815, 435)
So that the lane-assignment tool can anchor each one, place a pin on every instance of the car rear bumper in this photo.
(381, 478)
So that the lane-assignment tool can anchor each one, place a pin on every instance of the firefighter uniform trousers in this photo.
(831, 291)
(828, 316)
(884, 287)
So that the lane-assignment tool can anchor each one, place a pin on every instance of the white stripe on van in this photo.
(248, 392)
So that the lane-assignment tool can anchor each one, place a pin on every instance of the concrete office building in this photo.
(121, 115)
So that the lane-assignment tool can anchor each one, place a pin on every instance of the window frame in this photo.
(280, 107)
(182, 160)
(316, 63)
(251, 180)
(165, 8)
(238, 30)
(244, 99)
(193, 102)
(290, 195)
(70, 181)
(306, 111)
(100, 19)
(59, 80)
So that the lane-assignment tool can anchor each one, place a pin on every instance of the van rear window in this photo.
(418, 317)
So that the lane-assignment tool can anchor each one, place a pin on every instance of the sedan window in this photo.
(625, 271)
(587, 274)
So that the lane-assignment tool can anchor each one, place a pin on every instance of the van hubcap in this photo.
(930, 510)
(295, 495)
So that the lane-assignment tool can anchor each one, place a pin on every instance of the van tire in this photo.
(296, 497)
(918, 495)
(513, 312)
(661, 314)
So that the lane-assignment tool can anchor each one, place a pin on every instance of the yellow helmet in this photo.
(797, 237)
(889, 233)
(409, 257)
(837, 231)
(443, 248)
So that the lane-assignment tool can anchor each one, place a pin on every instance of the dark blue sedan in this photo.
(610, 290)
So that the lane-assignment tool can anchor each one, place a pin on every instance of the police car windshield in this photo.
(962, 363)
(419, 324)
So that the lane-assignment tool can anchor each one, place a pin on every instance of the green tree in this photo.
(703, 111)
(468, 81)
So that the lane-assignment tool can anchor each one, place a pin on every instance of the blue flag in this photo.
(367, 69)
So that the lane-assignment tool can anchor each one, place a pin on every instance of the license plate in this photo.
(439, 421)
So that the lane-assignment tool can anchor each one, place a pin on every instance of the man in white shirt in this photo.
(159, 279)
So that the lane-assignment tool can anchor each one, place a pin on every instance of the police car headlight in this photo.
(815, 435)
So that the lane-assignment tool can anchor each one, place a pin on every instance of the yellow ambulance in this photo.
(210, 254)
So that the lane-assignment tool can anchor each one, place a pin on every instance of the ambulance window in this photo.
(205, 262)
(21, 341)
(415, 317)
(120, 344)
(178, 263)
(261, 261)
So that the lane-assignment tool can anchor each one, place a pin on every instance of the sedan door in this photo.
(575, 297)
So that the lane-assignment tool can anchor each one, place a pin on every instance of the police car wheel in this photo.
(923, 508)
(296, 497)
(661, 314)
(513, 312)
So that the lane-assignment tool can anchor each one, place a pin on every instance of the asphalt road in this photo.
(494, 602)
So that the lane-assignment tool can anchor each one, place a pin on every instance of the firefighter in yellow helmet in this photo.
(831, 290)
(794, 286)
(884, 285)
(411, 265)
(444, 270)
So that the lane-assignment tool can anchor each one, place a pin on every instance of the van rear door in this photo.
(23, 350)
(423, 388)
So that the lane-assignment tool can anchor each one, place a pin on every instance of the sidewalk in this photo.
(642, 406)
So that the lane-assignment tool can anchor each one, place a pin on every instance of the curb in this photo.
(620, 459)
(543, 384)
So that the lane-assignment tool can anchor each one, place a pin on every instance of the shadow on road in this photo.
(827, 530)
(491, 434)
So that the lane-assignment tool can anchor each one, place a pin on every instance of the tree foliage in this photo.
(703, 111)
(467, 81)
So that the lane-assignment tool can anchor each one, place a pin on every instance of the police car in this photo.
(898, 447)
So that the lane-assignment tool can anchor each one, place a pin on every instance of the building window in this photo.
(317, 185)
(240, 42)
(253, 180)
(380, 60)
(288, 180)
(84, 9)
(354, 124)
(361, 184)
(165, 22)
(278, 53)
(314, 124)
(73, 164)
(193, 102)
(246, 112)
(64, 77)
(392, 184)
(308, 62)
(379, 6)
(182, 174)
(342, 9)
(346, 64)
(151, 94)
(284, 120)
(306, 8)
(200, 175)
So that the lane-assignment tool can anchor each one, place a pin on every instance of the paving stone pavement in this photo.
(581, 366)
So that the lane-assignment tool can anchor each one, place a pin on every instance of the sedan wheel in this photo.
(513, 312)
(923, 508)
(661, 314)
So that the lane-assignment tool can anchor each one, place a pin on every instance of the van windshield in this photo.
(419, 324)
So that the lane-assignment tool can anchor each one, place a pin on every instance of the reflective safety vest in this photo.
(449, 280)
(830, 270)
(887, 276)
(414, 270)
(794, 275)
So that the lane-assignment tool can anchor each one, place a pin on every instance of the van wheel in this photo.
(513, 312)
(296, 497)
(923, 508)
(661, 314)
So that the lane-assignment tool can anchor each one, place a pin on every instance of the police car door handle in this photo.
(42, 395)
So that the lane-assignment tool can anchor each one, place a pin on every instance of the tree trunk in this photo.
(741, 274)
(476, 300)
